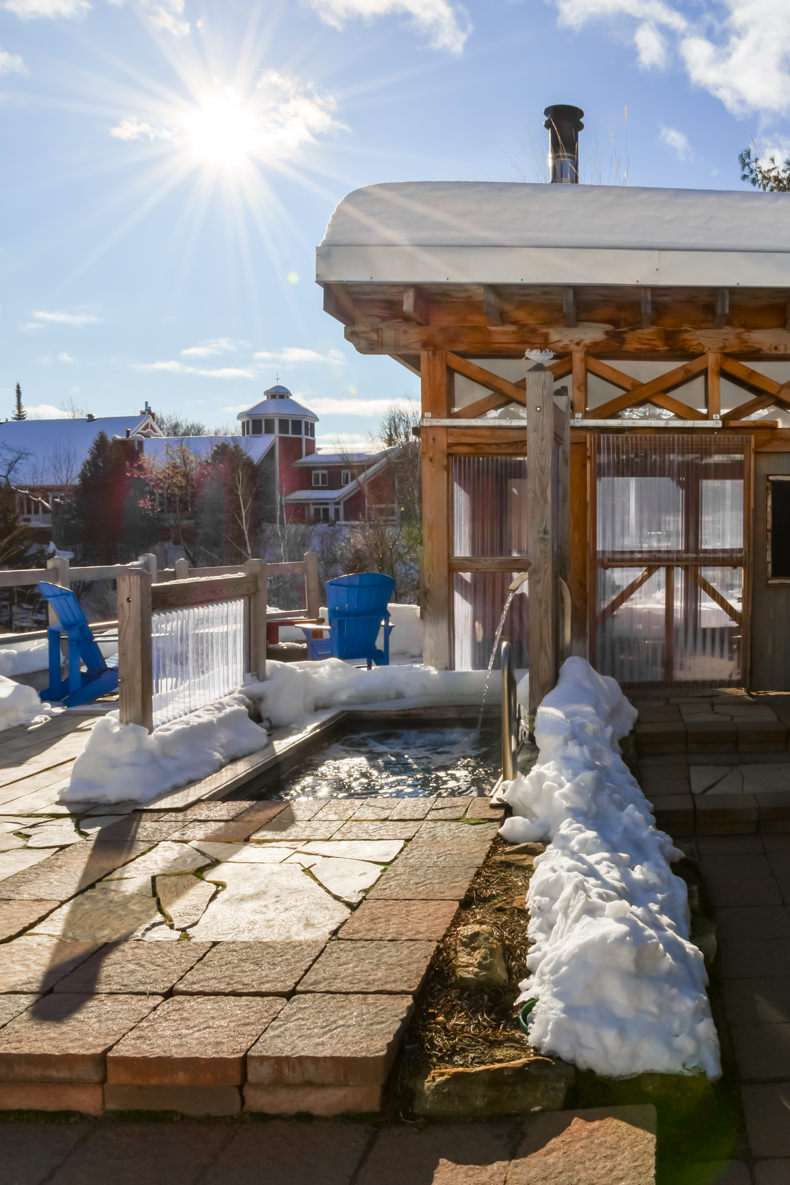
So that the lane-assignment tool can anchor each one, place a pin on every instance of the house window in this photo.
(244, 427)
(320, 477)
(309, 428)
(296, 427)
(322, 514)
(282, 427)
(778, 536)
(268, 426)
(345, 477)
(257, 427)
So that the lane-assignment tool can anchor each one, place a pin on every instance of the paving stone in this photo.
(217, 851)
(484, 808)
(53, 835)
(290, 1152)
(12, 1005)
(449, 808)
(599, 1147)
(382, 851)
(17, 859)
(16, 916)
(718, 812)
(154, 1154)
(705, 777)
(393, 920)
(183, 899)
(760, 1000)
(87, 1098)
(442, 836)
(92, 824)
(265, 809)
(774, 806)
(281, 830)
(769, 1172)
(346, 879)
(728, 890)
(747, 865)
(762, 1051)
(755, 958)
(448, 1154)
(250, 968)
(192, 1041)
(35, 963)
(400, 829)
(233, 831)
(65, 873)
(766, 1108)
(165, 859)
(330, 1041)
(216, 809)
(374, 808)
(748, 922)
(101, 916)
(268, 902)
(312, 1100)
(149, 829)
(134, 967)
(10, 842)
(339, 808)
(64, 1038)
(370, 966)
(424, 882)
(32, 1150)
(187, 1100)
(256, 853)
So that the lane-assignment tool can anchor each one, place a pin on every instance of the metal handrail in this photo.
(510, 729)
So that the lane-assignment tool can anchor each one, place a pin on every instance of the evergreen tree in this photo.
(770, 176)
(20, 413)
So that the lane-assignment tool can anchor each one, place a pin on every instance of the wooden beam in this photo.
(560, 367)
(626, 593)
(569, 307)
(540, 536)
(436, 384)
(714, 385)
(749, 378)
(618, 378)
(486, 378)
(579, 391)
(717, 597)
(681, 410)
(415, 306)
(722, 310)
(471, 411)
(437, 525)
(759, 403)
(339, 303)
(645, 392)
(646, 310)
(492, 306)
(489, 563)
(178, 594)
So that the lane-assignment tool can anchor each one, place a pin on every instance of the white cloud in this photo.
(297, 355)
(445, 23)
(78, 320)
(48, 360)
(137, 129)
(346, 443)
(166, 15)
(329, 405)
(214, 346)
(11, 63)
(737, 50)
(173, 366)
(45, 411)
(30, 9)
(676, 142)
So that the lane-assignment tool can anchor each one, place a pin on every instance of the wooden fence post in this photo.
(540, 536)
(148, 562)
(311, 584)
(256, 619)
(182, 569)
(135, 665)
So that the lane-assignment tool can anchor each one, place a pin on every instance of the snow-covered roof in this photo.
(255, 447)
(56, 449)
(324, 495)
(278, 401)
(514, 233)
(337, 458)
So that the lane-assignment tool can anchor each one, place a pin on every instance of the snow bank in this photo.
(295, 690)
(21, 660)
(19, 704)
(125, 763)
(620, 988)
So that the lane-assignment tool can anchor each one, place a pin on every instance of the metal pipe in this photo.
(509, 714)
(564, 124)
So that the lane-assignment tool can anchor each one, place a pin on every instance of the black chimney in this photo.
(564, 124)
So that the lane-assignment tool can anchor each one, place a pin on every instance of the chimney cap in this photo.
(558, 111)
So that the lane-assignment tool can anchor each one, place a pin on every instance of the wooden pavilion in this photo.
(667, 314)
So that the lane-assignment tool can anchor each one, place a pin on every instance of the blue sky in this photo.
(169, 167)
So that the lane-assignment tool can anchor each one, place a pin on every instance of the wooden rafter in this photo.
(618, 378)
(569, 308)
(752, 380)
(415, 306)
(646, 392)
(759, 403)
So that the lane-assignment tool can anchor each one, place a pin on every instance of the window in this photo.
(345, 477)
(320, 477)
(245, 428)
(257, 427)
(296, 427)
(282, 427)
(268, 426)
(322, 514)
(778, 537)
(309, 428)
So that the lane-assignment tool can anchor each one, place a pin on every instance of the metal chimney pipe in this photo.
(564, 124)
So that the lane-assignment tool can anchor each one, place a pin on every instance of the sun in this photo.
(222, 131)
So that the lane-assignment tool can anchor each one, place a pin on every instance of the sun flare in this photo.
(223, 132)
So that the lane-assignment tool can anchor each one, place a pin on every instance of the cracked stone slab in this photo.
(133, 967)
(250, 853)
(18, 859)
(53, 835)
(165, 859)
(347, 879)
(380, 851)
(263, 902)
(184, 898)
(703, 777)
(9, 841)
(16, 916)
(101, 916)
(13, 1005)
(35, 963)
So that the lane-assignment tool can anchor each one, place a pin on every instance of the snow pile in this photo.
(620, 988)
(125, 763)
(19, 704)
(21, 660)
(406, 637)
(297, 689)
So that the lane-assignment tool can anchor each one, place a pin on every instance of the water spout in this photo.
(517, 581)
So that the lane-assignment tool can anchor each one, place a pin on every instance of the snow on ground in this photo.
(124, 763)
(19, 704)
(405, 638)
(620, 988)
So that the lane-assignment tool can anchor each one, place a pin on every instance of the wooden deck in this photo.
(36, 760)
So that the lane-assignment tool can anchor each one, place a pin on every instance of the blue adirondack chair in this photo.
(357, 611)
(80, 686)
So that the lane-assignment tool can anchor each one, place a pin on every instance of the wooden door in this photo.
(770, 616)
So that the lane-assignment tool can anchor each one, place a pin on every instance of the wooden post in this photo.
(579, 382)
(714, 385)
(312, 584)
(148, 562)
(562, 440)
(256, 620)
(58, 567)
(135, 666)
(436, 510)
(182, 569)
(540, 536)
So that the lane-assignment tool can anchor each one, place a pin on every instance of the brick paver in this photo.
(393, 920)
(35, 963)
(446, 1154)
(17, 916)
(192, 1041)
(295, 1153)
(607, 1145)
(129, 1154)
(370, 966)
(150, 968)
(250, 968)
